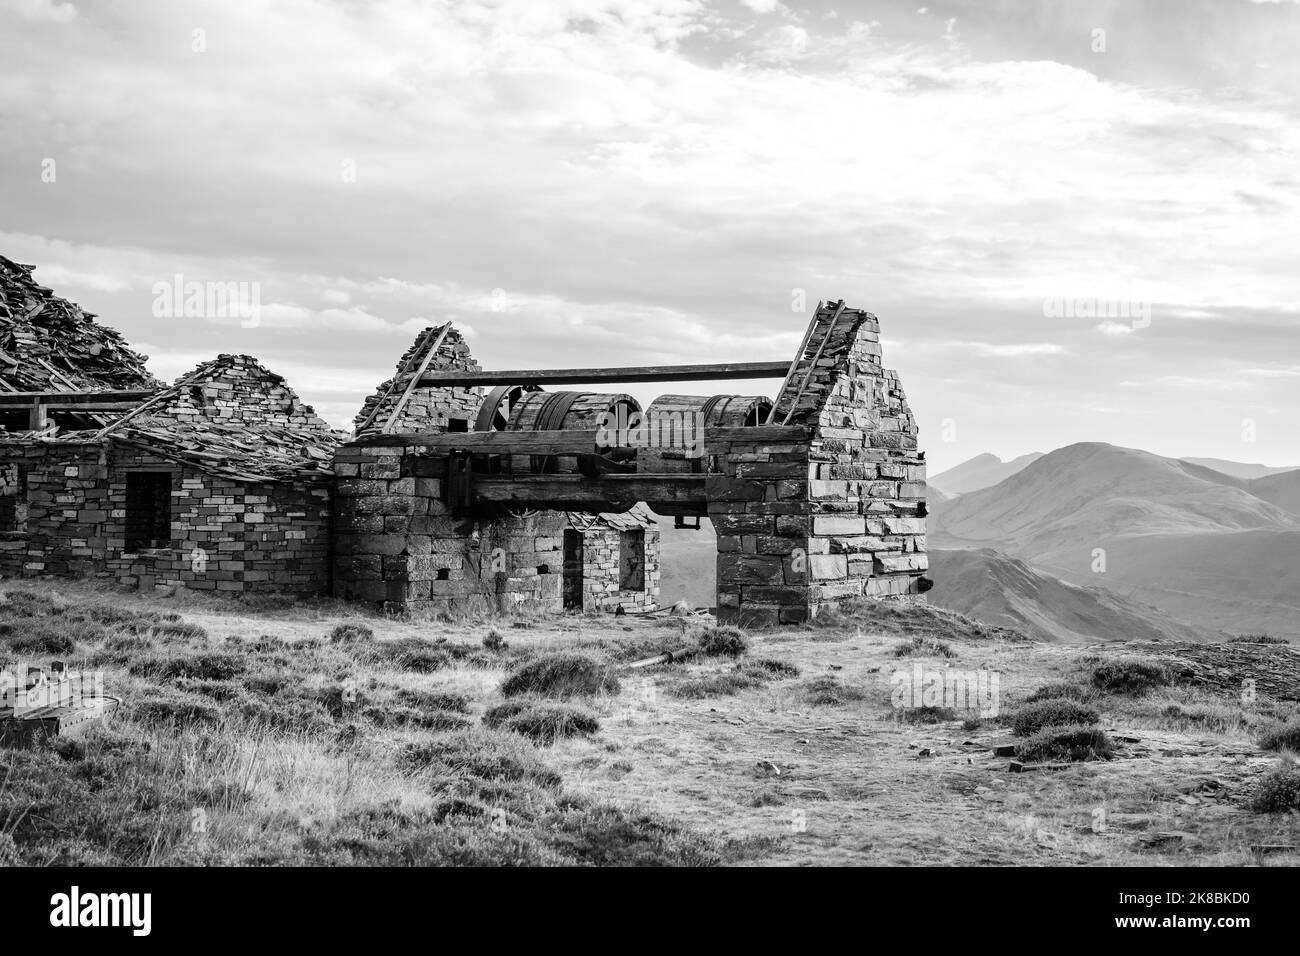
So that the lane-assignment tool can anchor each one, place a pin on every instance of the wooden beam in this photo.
(586, 376)
(90, 408)
(414, 383)
(74, 398)
(563, 441)
(559, 491)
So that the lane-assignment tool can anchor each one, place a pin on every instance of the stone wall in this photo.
(841, 515)
(397, 544)
(225, 535)
(605, 549)
(758, 494)
(868, 477)
(427, 409)
(236, 388)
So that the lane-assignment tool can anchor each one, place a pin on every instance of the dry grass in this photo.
(328, 754)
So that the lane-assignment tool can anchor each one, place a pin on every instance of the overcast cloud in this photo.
(606, 182)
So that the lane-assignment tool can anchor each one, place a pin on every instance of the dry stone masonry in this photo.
(226, 481)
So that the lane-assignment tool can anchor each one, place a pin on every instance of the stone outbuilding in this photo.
(219, 482)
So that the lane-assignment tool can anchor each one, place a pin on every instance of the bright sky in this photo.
(619, 182)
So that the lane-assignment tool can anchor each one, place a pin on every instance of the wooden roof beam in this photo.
(589, 376)
(109, 396)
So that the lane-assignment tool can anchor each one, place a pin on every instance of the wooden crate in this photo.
(30, 728)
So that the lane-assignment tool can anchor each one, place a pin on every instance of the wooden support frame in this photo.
(586, 376)
(561, 442)
(577, 490)
(107, 397)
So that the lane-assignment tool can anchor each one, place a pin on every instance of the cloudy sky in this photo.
(1076, 220)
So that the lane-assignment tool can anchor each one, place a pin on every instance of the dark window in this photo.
(458, 424)
(444, 574)
(148, 510)
(13, 498)
(631, 571)
(574, 555)
(543, 569)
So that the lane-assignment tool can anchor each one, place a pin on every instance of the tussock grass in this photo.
(413, 718)
(724, 684)
(215, 666)
(1062, 691)
(910, 618)
(1258, 639)
(408, 654)
(1279, 791)
(723, 641)
(924, 646)
(1065, 743)
(542, 721)
(924, 715)
(434, 700)
(1130, 676)
(776, 668)
(40, 639)
(563, 675)
(748, 675)
(830, 692)
(351, 633)
(174, 709)
(1032, 718)
(1281, 736)
(171, 632)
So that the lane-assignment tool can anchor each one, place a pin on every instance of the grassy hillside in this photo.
(271, 735)
(999, 589)
(1239, 469)
(1202, 546)
(1248, 582)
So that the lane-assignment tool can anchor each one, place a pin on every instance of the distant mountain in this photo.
(933, 495)
(1079, 494)
(1201, 545)
(982, 471)
(998, 589)
(1282, 489)
(1238, 469)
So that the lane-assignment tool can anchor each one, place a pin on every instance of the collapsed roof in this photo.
(232, 416)
(636, 518)
(48, 344)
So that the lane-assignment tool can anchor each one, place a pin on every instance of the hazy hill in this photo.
(998, 589)
(1201, 545)
(982, 471)
(1282, 489)
(1239, 469)
(1077, 495)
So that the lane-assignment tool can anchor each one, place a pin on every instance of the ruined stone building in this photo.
(461, 490)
